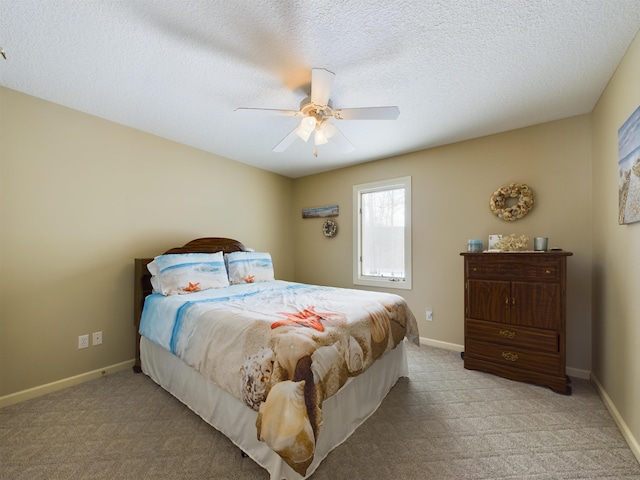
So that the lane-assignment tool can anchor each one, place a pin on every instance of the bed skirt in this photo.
(356, 401)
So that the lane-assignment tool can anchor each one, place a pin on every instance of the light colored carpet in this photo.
(443, 422)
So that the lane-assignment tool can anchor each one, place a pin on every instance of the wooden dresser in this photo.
(515, 309)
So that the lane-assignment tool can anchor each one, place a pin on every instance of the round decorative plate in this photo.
(329, 228)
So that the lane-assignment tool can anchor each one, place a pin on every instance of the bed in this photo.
(287, 371)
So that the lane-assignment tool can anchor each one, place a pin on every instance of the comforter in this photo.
(282, 348)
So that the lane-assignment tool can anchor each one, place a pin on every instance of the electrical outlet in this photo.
(429, 315)
(97, 338)
(83, 341)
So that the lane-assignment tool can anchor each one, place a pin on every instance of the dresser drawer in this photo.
(534, 361)
(512, 335)
(529, 266)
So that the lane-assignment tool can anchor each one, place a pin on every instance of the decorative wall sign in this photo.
(321, 212)
(629, 170)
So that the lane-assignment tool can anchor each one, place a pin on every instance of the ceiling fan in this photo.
(315, 112)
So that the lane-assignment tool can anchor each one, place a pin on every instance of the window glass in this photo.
(382, 250)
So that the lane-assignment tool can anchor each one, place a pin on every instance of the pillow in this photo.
(249, 267)
(181, 273)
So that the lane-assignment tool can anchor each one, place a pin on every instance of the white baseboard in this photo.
(437, 343)
(64, 383)
(622, 426)
(579, 373)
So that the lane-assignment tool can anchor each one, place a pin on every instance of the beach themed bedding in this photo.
(282, 348)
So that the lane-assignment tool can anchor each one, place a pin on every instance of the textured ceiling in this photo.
(178, 69)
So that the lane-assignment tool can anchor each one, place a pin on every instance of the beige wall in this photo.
(451, 187)
(80, 198)
(616, 306)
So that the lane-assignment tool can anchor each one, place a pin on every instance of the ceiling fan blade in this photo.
(286, 141)
(321, 82)
(367, 113)
(268, 111)
(342, 142)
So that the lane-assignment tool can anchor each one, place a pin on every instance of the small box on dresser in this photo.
(515, 313)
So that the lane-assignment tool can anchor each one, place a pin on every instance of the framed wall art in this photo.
(629, 170)
(320, 212)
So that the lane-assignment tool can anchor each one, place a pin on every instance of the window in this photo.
(382, 233)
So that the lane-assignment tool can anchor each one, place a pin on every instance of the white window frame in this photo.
(373, 281)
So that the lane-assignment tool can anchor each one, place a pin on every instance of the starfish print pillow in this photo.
(183, 273)
(249, 267)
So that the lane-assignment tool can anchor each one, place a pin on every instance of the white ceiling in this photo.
(178, 69)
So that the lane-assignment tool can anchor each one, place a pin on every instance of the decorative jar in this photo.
(474, 246)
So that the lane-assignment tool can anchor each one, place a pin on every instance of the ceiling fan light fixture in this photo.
(307, 125)
(320, 138)
(303, 134)
(329, 129)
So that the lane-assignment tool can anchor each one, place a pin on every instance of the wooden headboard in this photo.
(142, 280)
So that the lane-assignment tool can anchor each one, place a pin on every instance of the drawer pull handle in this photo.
(547, 271)
(475, 269)
(507, 333)
(511, 357)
